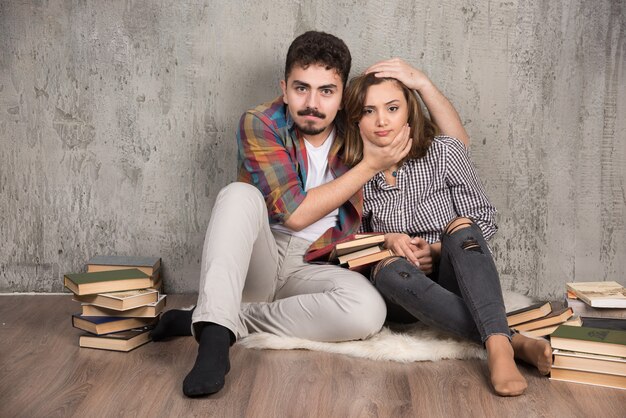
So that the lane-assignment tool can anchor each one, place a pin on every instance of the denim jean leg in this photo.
(403, 284)
(478, 279)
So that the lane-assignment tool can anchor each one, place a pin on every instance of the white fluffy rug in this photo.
(404, 343)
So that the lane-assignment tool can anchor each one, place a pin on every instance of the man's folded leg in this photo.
(240, 257)
(317, 302)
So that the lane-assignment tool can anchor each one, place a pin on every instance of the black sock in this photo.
(173, 323)
(212, 363)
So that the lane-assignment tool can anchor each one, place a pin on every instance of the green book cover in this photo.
(599, 335)
(106, 276)
(119, 260)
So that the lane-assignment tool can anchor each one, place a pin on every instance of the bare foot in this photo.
(505, 378)
(533, 351)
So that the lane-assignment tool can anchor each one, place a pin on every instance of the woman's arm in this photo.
(441, 111)
(466, 190)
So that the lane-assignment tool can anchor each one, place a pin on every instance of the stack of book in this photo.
(120, 301)
(594, 353)
(541, 319)
(594, 356)
(356, 252)
(597, 299)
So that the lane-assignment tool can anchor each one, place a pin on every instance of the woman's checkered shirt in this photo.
(429, 193)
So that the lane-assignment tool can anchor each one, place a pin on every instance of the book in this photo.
(590, 340)
(574, 321)
(148, 265)
(107, 324)
(357, 244)
(589, 378)
(600, 294)
(361, 262)
(329, 252)
(605, 323)
(589, 362)
(106, 281)
(553, 318)
(582, 309)
(147, 311)
(121, 301)
(535, 311)
(343, 259)
(119, 341)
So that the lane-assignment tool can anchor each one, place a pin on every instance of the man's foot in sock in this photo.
(173, 323)
(505, 378)
(212, 364)
(533, 351)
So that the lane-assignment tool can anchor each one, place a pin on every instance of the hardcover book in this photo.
(148, 265)
(590, 340)
(100, 325)
(589, 362)
(119, 341)
(349, 244)
(121, 301)
(343, 259)
(605, 323)
(574, 321)
(600, 294)
(148, 311)
(106, 281)
(588, 378)
(537, 310)
(362, 262)
(553, 318)
(583, 309)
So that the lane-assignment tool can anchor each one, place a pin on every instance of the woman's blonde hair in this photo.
(423, 130)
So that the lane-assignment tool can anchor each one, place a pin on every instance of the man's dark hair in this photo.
(314, 47)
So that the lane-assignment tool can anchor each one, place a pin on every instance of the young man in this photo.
(294, 195)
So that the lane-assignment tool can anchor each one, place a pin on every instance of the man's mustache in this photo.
(309, 111)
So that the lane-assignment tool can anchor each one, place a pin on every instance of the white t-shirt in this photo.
(317, 174)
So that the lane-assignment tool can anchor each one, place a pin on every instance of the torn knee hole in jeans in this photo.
(471, 244)
(384, 263)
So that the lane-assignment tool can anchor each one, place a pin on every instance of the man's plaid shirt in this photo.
(272, 157)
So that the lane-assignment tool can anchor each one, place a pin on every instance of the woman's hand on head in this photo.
(401, 71)
(401, 245)
(379, 155)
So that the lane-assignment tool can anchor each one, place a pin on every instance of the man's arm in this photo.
(439, 107)
(323, 199)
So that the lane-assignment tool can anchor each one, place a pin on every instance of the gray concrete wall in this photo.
(117, 122)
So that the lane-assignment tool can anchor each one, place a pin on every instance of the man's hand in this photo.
(401, 71)
(401, 245)
(439, 107)
(380, 156)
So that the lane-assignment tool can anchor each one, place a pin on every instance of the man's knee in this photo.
(242, 193)
(367, 316)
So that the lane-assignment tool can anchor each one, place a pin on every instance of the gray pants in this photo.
(463, 296)
(254, 279)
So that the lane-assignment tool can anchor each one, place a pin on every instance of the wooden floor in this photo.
(43, 373)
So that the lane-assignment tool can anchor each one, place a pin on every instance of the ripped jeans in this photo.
(463, 296)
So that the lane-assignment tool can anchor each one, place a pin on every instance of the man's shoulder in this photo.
(272, 111)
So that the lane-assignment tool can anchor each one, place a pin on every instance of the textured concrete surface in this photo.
(117, 122)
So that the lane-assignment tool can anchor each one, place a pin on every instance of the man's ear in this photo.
(283, 86)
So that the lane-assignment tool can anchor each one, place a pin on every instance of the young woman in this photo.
(436, 217)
